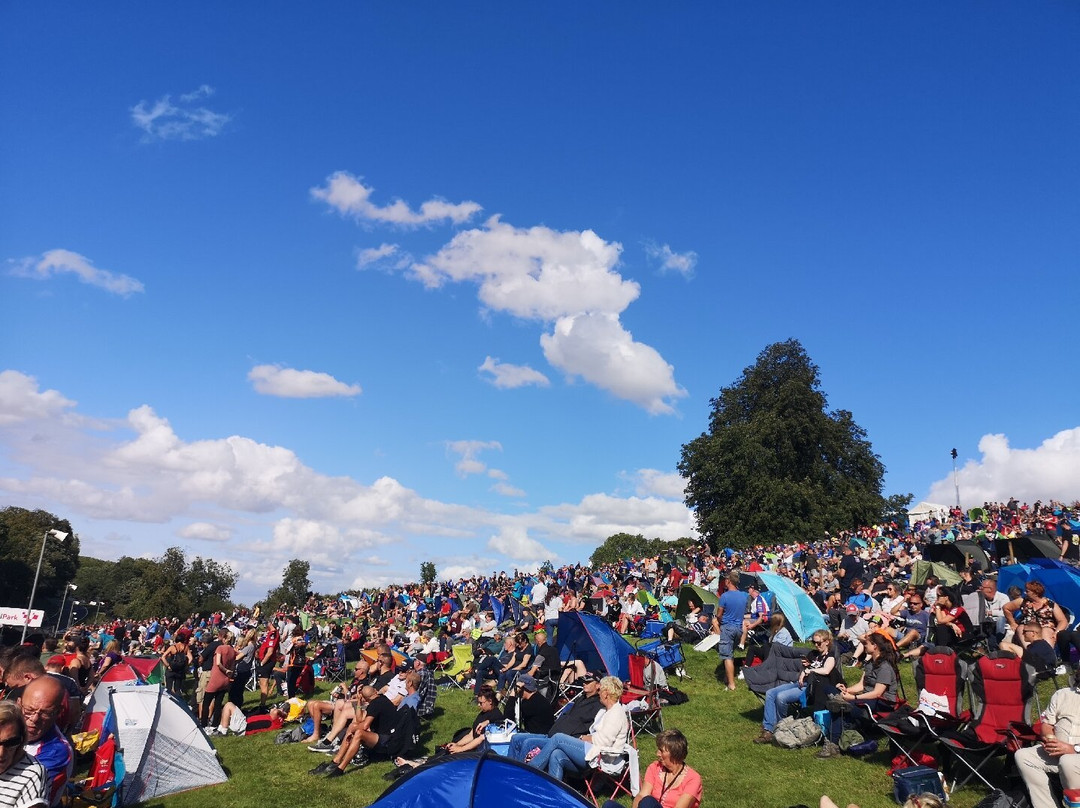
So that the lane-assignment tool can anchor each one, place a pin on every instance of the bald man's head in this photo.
(41, 703)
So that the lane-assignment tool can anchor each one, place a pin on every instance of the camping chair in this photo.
(648, 717)
(941, 678)
(668, 655)
(617, 773)
(1001, 689)
(333, 663)
(454, 669)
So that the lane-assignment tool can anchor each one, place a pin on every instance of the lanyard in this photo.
(665, 785)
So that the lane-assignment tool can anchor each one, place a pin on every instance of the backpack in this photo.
(177, 662)
(795, 733)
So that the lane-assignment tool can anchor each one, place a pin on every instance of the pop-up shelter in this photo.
(803, 615)
(479, 781)
(586, 637)
(688, 593)
(157, 747)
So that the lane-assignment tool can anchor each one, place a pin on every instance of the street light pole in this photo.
(59, 535)
(97, 611)
(956, 480)
(60, 614)
(71, 613)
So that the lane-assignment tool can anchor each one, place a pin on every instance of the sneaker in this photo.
(764, 737)
(828, 750)
(321, 745)
(323, 768)
(360, 759)
(1060, 670)
(740, 676)
(209, 731)
(334, 772)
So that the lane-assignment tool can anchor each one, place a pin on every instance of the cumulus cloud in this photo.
(468, 451)
(507, 490)
(21, 400)
(184, 120)
(567, 279)
(662, 484)
(597, 348)
(349, 196)
(506, 376)
(514, 542)
(274, 380)
(670, 261)
(66, 262)
(1048, 471)
(204, 531)
(380, 255)
(274, 507)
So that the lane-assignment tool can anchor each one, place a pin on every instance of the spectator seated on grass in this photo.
(341, 707)
(668, 781)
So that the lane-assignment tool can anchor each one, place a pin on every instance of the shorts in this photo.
(238, 722)
(729, 634)
(266, 671)
(200, 689)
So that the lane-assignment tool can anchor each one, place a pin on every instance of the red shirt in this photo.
(269, 643)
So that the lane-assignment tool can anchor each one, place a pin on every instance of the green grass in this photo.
(719, 725)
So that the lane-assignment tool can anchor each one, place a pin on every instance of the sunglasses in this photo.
(11, 743)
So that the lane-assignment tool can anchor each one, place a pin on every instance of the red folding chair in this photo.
(647, 717)
(1001, 688)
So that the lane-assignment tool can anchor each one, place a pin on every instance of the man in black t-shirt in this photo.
(376, 715)
(536, 713)
(850, 569)
(206, 665)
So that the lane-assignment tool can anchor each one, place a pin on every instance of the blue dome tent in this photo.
(486, 779)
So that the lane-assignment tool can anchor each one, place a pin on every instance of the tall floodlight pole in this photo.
(71, 613)
(59, 535)
(955, 478)
(63, 600)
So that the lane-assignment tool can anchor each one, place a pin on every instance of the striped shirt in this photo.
(23, 784)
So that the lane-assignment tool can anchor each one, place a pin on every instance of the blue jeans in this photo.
(522, 742)
(551, 625)
(559, 753)
(777, 700)
(488, 668)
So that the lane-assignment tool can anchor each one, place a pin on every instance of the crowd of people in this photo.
(858, 579)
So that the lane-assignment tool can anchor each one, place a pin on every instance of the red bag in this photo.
(901, 762)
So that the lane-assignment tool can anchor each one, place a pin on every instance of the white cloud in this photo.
(569, 279)
(375, 255)
(204, 531)
(535, 273)
(597, 348)
(514, 542)
(274, 380)
(507, 377)
(349, 196)
(1049, 471)
(61, 262)
(165, 120)
(653, 482)
(671, 261)
(469, 449)
(275, 507)
(20, 400)
(507, 490)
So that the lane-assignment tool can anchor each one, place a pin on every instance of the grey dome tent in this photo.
(480, 780)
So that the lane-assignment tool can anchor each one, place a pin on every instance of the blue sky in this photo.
(373, 285)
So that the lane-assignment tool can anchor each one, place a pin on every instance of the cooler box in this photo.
(667, 654)
(916, 780)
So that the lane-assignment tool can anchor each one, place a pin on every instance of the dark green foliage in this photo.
(896, 508)
(294, 589)
(21, 535)
(165, 586)
(775, 464)
(427, 572)
(625, 545)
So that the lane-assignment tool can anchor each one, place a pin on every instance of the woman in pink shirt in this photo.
(668, 782)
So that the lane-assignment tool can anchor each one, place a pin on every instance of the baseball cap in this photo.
(852, 608)
(527, 682)
(591, 676)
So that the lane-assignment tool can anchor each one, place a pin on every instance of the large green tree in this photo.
(619, 546)
(294, 589)
(21, 536)
(775, 463)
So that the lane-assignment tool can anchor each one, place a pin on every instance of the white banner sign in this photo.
(17, 617)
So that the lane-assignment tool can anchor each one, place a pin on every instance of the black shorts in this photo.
(266, 671)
